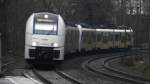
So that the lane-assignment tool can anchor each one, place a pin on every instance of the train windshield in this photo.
(45, 27)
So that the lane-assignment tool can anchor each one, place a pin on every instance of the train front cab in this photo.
(45, 33)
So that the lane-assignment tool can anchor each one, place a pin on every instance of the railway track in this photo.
(32, 78)
(69, 78)
(58, 76)
(28, 73)
(106, 70)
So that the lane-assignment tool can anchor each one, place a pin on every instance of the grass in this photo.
(142, 66)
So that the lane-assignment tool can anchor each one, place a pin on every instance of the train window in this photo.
(101, 35)
(70, 36)
(89, 37)
(123, 38)
(117, 37)
(105, 37)
(67, 39)
(97, 35)
(84, 36)
(111, 36)
(46, 28)
(129, 37)
(75, 35)
(93, 36)
(126, 36)
(72, 33)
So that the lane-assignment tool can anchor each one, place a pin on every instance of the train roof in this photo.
(102, 30)
(47, 15)
(115, 30)
(88, 29)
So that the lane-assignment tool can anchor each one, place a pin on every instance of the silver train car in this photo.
(48, 39)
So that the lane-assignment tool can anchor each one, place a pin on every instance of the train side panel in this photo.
(72, 40)
(88, 39)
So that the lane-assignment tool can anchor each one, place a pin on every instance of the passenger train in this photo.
(48, 39)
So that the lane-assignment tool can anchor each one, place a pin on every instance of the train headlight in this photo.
(34, 43)
(55, 44)
(46, 16)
